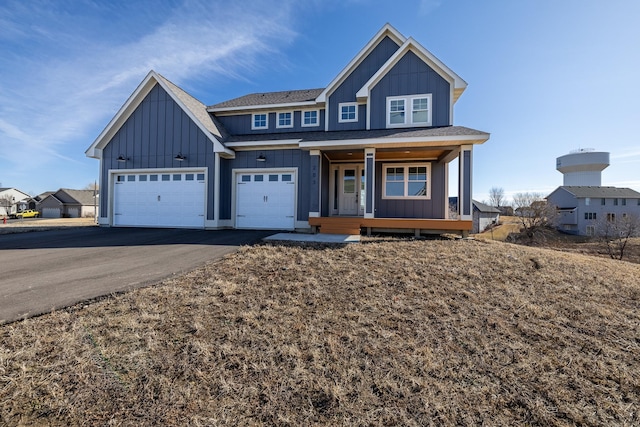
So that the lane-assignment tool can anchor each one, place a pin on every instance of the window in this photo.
(120, 178)
(409, 181)
(615, 202)
(142, 178)
(188, 177)
(587, 201)
(348, 112)
(273, 178)
(286, 178)
(258, 178)
(285, 120)
(246, 178)
(259, 121)
(177, 177)
(611, 217)
(131, 178)
(590, 215)
(153, 177)
(603, 201)
(624, 202)
(200, 177)
(310, 118)
(591, 230)
(399, 116)
(166, 177)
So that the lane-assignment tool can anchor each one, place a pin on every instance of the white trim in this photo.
(399, 141)
(386, 31)
(406, 181)
(278, 125)
(270, 143)
(288, 105)
(347, 104)
(314, 214)
(234, 182)
(372, 152)
(253, 121)
(216, 189)
(408, 110)
(316, 124)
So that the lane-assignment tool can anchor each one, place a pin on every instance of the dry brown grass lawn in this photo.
(412, 332)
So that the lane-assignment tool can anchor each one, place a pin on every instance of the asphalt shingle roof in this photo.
(362, 134)
(601, 192)
(270, 98)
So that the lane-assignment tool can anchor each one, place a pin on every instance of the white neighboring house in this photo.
(581, 207)
(11, 201)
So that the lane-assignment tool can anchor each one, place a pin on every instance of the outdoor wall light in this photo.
(179, 157)
(122, 158)
(261, 158)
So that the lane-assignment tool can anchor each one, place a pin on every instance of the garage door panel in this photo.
(159, 200)
(265, 201)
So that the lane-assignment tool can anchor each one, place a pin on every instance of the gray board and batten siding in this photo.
(241, 124)
(411, 76)
(290, 158)
(432, 208)
(346, 92)
(151, 137)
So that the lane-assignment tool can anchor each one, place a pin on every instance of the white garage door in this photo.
(51, 213)
(265, 200)
(169, 199)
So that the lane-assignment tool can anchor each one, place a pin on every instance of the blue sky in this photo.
(545, 76)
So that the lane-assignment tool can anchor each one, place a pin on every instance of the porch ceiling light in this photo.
(261, 158)
(179, 157)
(122, 158)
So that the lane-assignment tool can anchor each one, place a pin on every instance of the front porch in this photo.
(353, 225)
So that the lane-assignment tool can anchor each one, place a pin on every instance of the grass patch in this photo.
(407, 332)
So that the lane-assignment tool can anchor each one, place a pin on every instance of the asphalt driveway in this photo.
(43, 271)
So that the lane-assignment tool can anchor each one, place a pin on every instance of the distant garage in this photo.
(265, 199)
(170, 198)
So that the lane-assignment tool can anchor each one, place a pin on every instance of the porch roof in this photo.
(435, 133)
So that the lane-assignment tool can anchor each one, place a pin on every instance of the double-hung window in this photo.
(260, 121)
(409, 111)
(347, 112)
(310, 118)
(285, 120)
(406, 181)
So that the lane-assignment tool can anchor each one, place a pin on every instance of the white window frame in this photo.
(347, 104)
(278, 125)
(302, 123)
(406, 181)
(408, 110)
(253, 121)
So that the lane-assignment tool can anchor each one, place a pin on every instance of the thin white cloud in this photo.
(50, 101)
(428, 6)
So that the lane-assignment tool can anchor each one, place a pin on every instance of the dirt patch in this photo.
(408, 332)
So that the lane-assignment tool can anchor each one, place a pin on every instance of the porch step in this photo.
(327, 229)
(337, 225)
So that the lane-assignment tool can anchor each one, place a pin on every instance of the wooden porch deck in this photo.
(353, 225)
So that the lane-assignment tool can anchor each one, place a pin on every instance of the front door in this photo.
(350, 190)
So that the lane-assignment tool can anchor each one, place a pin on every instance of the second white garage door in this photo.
(265, 200)
(163, 199)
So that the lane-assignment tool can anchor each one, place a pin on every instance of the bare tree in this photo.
(616, 230)
(534, 212)
(6, 202)
(92, 186)
(496, 196)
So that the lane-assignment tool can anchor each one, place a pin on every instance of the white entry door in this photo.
(265, 200)
(351, 190)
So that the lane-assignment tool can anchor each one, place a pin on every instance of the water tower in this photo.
(583, 167)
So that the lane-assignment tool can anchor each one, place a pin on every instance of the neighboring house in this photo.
(483, 215)
(372, 149)
(580, 208)
(67, 203)
(12, 200)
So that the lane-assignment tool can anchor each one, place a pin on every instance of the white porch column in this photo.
(314, 184)
(465, 181)
(370, 182)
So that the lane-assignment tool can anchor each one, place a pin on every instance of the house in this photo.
(581, 207)
(68, 203)
(12, 200)
(483, 214)
(371, 149)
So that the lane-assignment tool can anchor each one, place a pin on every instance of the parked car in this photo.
(30, 213)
